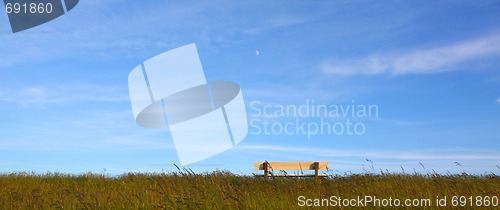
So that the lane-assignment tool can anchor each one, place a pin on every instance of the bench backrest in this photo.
(291, 165)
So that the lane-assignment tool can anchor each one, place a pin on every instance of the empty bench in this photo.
(268, 167)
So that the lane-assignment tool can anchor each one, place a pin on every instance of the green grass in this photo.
(224, 190)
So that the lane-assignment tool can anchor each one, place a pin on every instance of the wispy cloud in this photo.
(101, 35)
(63, 94)
(83, 130)
(380, 154)
(276, 22)
(498, 101)
(432, 60)
(288, 94)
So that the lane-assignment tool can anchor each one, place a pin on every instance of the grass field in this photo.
(224, 190)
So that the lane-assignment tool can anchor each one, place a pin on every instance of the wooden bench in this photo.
(302, 166)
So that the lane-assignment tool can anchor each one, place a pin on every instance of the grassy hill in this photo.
(224, 190)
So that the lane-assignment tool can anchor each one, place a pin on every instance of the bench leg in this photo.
(266, 169)
(316, 168)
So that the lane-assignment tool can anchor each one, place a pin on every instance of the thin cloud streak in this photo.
(382, 154)
(63, 94)
(276, 22)
(434, 60)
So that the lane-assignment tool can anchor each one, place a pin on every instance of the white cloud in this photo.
(498, 100)
(276, 22)
(414, 155)
(105, 32)
(433, 60)
(63, 94)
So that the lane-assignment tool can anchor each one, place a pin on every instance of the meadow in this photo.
(224, 190)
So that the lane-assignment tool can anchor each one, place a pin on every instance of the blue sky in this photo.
(432, 68)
